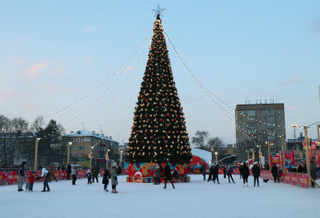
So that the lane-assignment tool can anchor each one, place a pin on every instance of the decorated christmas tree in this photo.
(159, 133)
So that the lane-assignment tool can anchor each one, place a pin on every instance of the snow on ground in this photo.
(197, 198)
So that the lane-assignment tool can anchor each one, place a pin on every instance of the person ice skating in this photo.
(74, 175)
(216, 173)
(256, 173)
(21, 176)
(229, 173)
(240, 170)
(105, 179)
(274, 171)
(68, 171)
(176, 175)
(203, 171)
(95, 173)
(167, 176)
(157, 174)
(313, 172)
(89, 176)
(47, 177)
(245, 174)
(210, 173)
(51, 171)
(225, 172)
(31, 181)
(114, 178)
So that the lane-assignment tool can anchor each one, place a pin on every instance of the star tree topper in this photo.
(158, 11)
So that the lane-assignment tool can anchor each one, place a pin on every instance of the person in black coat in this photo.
(245, 173)
(216, 173)
(203, 171)
(256, 174)
(105, 179)
(224, 172)
(167, 176)
(68, 171)
(274, 171)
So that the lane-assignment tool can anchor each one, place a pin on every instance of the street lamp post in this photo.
(68, 155)
(36, 154)
(216, 153)
(120, 159)
(253, 157)
(248, 156)
(107, 159)
(90, 156)
(294, 130)
(260, 155)
(212, 150)
(269, 159)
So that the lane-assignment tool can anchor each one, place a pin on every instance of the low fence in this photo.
(11, 177)
(297, 179)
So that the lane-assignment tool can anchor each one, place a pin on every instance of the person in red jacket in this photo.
(31, 181)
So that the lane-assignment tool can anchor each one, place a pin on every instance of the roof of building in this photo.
(87, 133)
(205, 155)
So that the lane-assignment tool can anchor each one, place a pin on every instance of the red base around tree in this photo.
(144, 172)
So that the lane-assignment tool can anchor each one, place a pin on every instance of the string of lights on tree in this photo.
(138, 54)
(159, 131)
(119, 112)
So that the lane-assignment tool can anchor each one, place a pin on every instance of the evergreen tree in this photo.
(159, 130)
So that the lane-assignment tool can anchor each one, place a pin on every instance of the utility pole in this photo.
(283, 155)
(36, 154)
(307, 141)
(269, 144)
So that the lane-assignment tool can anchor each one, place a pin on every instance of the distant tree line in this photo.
(17, 141)
(202, 141)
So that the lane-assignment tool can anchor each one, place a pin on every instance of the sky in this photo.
(81, 63)
(196, 198)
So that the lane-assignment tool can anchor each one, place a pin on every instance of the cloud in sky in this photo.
(58, 68)
(293, 81)
(10, 92)
(34, 71)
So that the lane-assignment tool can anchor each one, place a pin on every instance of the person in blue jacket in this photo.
(229, 174)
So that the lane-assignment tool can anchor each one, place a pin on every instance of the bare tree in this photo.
(200, 139)
(214, 142)
(4, 126)
(37, 123)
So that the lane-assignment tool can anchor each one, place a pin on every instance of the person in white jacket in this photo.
(45, 173)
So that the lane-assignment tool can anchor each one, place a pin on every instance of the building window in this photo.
(79, 147)
(251, 113)
(270, 111)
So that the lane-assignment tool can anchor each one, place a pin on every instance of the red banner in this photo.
(275, 159)
(3, 178)
(290, 160)
(12, 177)
(297, 179)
